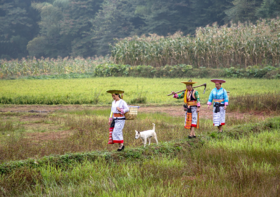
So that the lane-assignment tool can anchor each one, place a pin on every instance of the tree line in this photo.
(52, 28)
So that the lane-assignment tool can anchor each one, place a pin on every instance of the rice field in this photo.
(93, 90)
(38, 148)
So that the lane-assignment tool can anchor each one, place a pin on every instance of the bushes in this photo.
(269, 72)
(183, 70)
(70, 70)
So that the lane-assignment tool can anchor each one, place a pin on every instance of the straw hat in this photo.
(218, 80)
(115, 91)
(190, 82)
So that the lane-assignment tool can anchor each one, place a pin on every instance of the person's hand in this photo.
(197, 110)
(173, 92)
(119, 109)
(225, 107)
(208, 106)
(110, 121)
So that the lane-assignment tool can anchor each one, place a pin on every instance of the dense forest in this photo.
(52, 28)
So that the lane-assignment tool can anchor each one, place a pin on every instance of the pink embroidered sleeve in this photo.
(198, 104)
(209, 103)
(175, 96)
(226, 103)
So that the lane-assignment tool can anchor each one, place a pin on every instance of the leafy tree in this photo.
(243, 10)
(164, 17)
(109, 24)
(18, 25)
(209, 11)
(65, 28)
(269, 9)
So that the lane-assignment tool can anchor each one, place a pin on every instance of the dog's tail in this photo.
(154, 126)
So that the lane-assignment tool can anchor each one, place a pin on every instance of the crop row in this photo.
(212, 46)
(81, 68)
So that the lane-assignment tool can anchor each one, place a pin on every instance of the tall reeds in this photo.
(212, 46)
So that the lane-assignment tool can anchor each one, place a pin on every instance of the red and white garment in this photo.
(116, 135)
(219, 118)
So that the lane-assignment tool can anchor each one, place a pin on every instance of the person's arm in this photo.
(179, 96)
(226, 97)
(210, 98)
(111, 116)
(124, 107)
(197, 98)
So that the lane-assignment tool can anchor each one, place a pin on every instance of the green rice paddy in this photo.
(93, 90)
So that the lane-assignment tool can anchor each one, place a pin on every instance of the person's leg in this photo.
(192, 131)
(194, 120)
(117, 133)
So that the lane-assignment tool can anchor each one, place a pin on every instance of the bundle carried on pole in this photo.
(193, 87)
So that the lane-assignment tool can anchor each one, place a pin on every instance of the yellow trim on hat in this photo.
(188, 82)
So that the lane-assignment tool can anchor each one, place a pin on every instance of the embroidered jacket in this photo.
(182, 95)
(219, 96)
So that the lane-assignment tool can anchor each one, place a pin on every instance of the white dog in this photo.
(144, 135)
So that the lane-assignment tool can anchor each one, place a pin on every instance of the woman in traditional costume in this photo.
(220, 98)
(117, 118)
(192, 101)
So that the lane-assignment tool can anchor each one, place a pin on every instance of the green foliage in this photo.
(102, 67)
(52, 28)
(253, 72)
(18, 25)
(212, 47)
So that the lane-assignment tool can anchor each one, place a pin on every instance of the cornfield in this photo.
(47, 66)
(212, 46)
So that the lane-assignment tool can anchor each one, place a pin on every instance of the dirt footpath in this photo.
(171, 110)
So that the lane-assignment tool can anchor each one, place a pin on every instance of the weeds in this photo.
(268, 102)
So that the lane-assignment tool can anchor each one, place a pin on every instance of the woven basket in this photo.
(132, 114)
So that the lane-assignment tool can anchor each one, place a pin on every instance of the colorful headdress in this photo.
(218, 80)
(190, 82)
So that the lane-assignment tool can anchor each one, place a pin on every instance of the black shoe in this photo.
(190, 137)
(194, 136)
(120, 149)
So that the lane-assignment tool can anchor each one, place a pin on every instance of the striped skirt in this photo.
(219, 118)
(192, 118)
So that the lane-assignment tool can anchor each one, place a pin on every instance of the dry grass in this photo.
(266, 103)
(251, 169)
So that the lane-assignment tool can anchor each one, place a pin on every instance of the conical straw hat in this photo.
(190, 82)
(115, 91)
